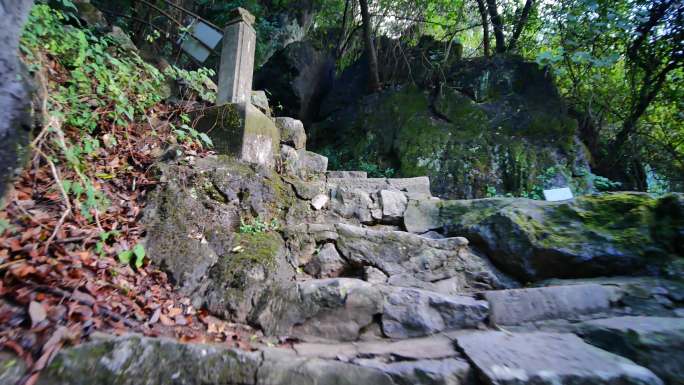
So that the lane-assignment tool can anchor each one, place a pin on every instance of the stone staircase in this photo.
(373, 303)
(425, 309)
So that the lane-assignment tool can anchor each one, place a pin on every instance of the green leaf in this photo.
(139, 252)
(206, 139)
(125, 257)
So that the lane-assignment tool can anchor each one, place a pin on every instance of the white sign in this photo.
(200, 40)
(558, 194)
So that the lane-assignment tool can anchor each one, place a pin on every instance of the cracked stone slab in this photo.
(411, 260)
(413, 313)
(516, 306)
(448, 371)
(281, 368)
(548, 358)
(654, 342)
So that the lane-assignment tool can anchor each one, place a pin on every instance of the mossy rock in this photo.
(237, 281)
(193, 219)
(595, 235)
(135, 359)
(492, 126)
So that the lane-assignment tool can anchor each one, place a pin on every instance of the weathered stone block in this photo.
(548, 358)
(260, 101)
(510, 307)
(292, 132)
(237, 59)
(243, 131)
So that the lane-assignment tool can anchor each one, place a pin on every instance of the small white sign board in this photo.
(558, 194)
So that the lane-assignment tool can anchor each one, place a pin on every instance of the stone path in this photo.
(373, 303)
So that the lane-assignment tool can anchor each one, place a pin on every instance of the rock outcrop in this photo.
(487, 126)
(297, 77)
(15, 121)
(595, 235)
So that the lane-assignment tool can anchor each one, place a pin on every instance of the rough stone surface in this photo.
(448, 371)
(280, 369)
(374, 275)
(654, 342)
(302, 163)
(422, 216)
(243, 131)
(412, 260)
(327, 263)
(192, 221)
(337, 308)
(260, 101)
(424, 348)
(15, 121)
(492, 118)
(548, 358)
(319, 201)
(291, 132)
(413, 313)
(347, 174)
(515, 306)
(393, 204)
(297, 77)
(137, 360)
(593, 235)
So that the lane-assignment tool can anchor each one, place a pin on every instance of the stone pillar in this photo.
(237, 59)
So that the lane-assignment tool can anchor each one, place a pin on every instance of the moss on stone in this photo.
(591, 235)
(253, 250)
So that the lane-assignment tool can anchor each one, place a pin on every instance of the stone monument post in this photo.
(237, 59)
(236, 126)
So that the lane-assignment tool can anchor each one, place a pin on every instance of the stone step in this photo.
(547, 358)
(654, 342)
(346, 174)
(348, 309)
(518, 306)
(396, 258)
(134, 360)
(414, 188)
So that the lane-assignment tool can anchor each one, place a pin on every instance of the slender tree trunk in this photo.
(343, 33)
(520, 25)
(373, 76)
(482, 8)
(498, 26)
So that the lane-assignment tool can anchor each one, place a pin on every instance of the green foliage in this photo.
(107, 85)
(592, 47)
(341, 160)
(5, 226)
(187, 133)
(256, 226)
(198, 81)
(105, 237)
(376, 171)
(138, 252)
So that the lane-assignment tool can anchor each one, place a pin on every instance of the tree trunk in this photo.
(373, 77)
(520, 25)
(482, 8)
(498, 26)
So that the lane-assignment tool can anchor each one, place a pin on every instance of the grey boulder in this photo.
(548, 358)
(654, 342)
(412, 313)
(291, 132)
